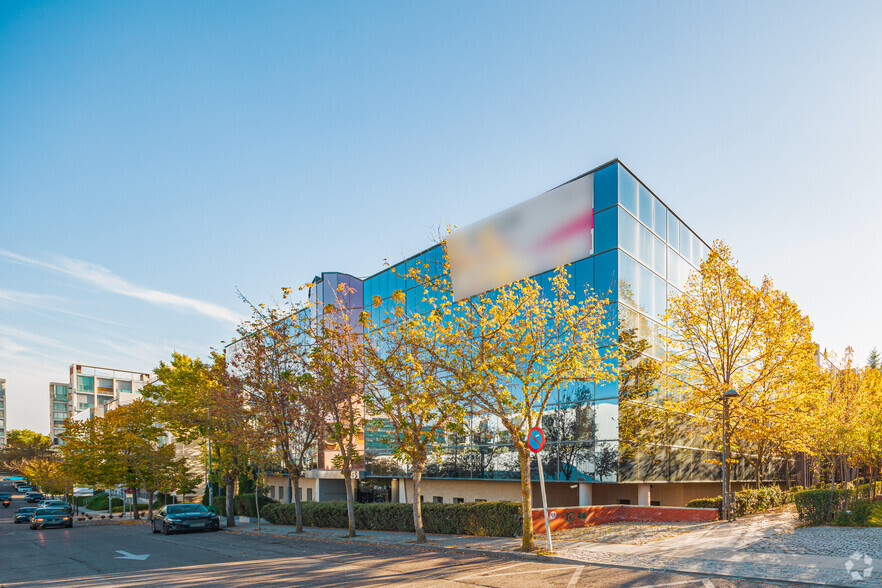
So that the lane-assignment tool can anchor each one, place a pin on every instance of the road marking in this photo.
(486, 574)
(491, 571)
(575, 579)
(127, 555)
(707, 583)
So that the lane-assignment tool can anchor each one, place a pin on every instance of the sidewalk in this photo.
(758, 547)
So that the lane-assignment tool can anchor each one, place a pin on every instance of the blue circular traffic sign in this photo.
(535, 439)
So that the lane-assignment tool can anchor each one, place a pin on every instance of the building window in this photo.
(480, 500)
(272, 490)
(309, 494)
(85, 384)
(458, 501)
(437, 499)
(658, 502)
(624, 501)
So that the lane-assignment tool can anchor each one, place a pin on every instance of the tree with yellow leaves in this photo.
(725, 333)
(507, 351)
(409, 392)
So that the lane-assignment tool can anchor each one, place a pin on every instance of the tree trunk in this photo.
(135, 514)
(298, 511)
(832, 485)
(231, 516)
(526, 500)
(257, 506)
(417, 506)
(350, 507)
(150, 505)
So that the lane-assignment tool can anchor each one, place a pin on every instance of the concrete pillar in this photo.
(395, 490)
(643, 494)
(402, 491)
(585, 495)
(318, 493)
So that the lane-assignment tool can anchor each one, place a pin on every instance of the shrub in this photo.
(706, 503)
(812, 505)
(498, 519)
(858, 516)
(100, 502)
(243, 505)
(747, 501)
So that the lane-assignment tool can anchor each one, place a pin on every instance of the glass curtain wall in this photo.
(616, 431)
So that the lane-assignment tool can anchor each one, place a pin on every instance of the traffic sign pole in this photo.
(535, 443)
(544, 502)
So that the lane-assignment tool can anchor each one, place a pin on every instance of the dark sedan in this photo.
(185, 517)
(23, 515)
(34, 497)
(50, 517)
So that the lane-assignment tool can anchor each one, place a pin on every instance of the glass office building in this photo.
(2, 412)
(614, 436)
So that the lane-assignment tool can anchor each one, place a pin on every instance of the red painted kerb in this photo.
(586, 516)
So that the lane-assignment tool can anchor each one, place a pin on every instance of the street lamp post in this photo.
(731, 393)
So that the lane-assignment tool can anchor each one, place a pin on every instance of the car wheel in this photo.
(165, 529)
(153, 527)
(69, 525)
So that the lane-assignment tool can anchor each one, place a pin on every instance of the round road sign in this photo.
(535, 439)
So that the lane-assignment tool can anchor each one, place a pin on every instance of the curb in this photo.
(516, 555)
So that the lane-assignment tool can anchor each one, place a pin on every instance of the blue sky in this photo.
(156, 156)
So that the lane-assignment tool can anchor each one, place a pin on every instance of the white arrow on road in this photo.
(127, 555)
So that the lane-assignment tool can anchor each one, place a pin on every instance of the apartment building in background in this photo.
(87, 391)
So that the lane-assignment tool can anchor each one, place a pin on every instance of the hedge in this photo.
(100, 502)
(243, 505)
(495, 519)
(749, 501)
(812, 505)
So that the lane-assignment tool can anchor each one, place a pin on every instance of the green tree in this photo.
(24, 445)
(199, 401)
(873, 359)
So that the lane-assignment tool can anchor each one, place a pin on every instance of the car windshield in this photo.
(185, 508)
(48, 511)
(26, 510)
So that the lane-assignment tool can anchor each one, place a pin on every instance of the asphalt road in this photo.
(95, 554)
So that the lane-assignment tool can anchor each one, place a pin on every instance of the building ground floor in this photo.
(323, 486)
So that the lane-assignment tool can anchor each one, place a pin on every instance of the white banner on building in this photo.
(545, 232)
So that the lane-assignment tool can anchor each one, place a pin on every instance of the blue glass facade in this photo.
(607, 432)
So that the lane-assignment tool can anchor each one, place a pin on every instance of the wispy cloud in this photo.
(106, 280)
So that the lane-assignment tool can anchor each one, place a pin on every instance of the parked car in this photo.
(51, 517)
(34, 496)
(184, 517)
(24, 489)
(5, 495)
(56, 504)
(23, 515)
